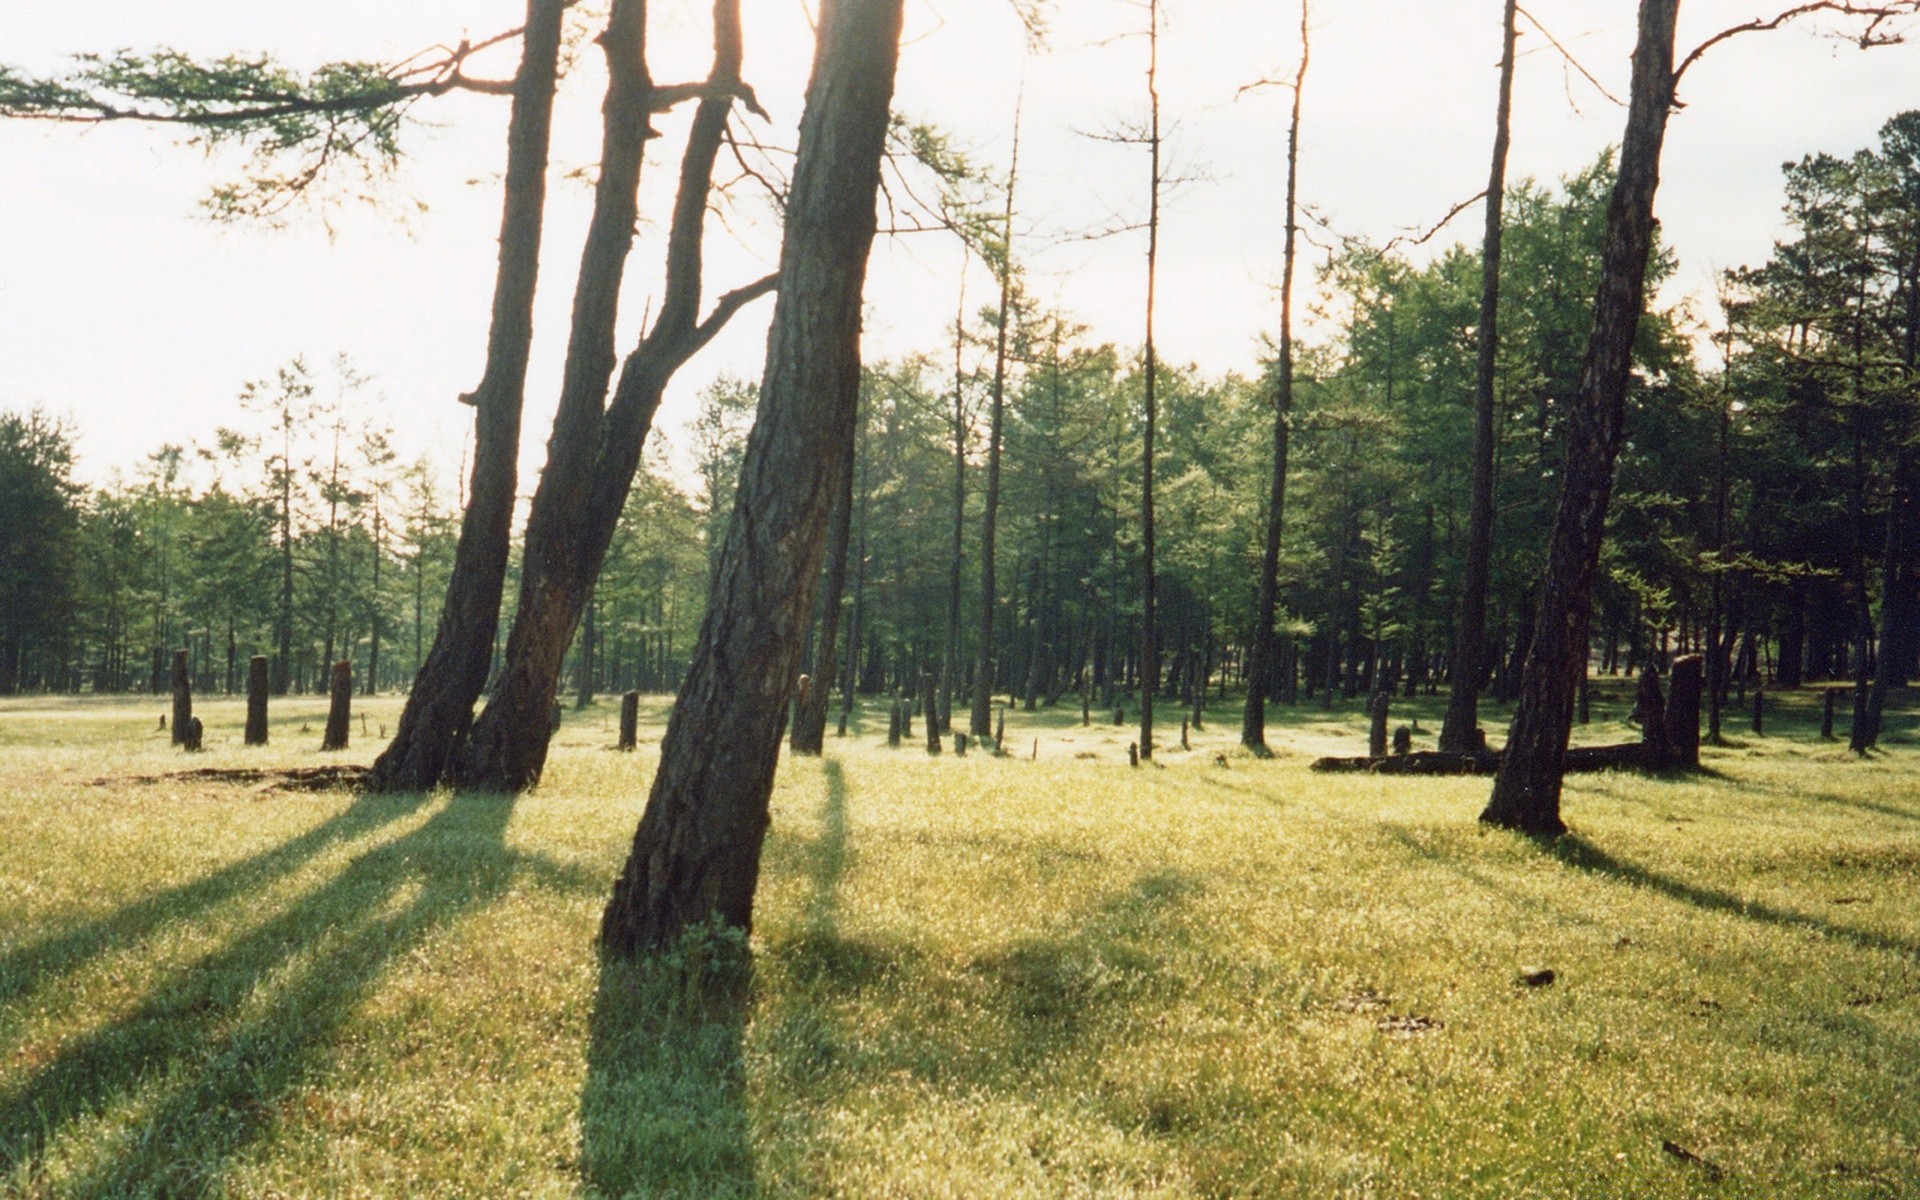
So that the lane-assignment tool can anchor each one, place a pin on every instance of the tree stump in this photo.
(257, 700)
(929, 700)
(1119, 716)
(1133, 754)
(1000, 732)
(1760, 710)
(629, 721)
(1377, 710)
(191, 743)
(960, 744)
(1402, 742)
(340, 708)
(893, 725)
(1651, 707)
(1682, 722)
(182, 697)
(1826, 718)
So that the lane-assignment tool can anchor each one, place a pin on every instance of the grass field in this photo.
(971, 977)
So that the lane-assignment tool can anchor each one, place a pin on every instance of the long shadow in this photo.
(1576, 851)
(31, 967)
(213, 1052)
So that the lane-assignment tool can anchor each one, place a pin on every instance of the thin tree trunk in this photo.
(981, 724)
(1526, 793)
(1149, 635)
(950, 662)
(1260, 666)
(1460, 729)
(696, 854)
(439, 709)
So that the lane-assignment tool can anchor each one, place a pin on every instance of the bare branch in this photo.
(1568, 56)
(1875, 33)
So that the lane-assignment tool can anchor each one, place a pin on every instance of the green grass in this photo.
(971, 977)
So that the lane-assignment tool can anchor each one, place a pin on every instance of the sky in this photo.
(125, 311)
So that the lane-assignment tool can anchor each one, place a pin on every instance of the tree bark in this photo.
(182, 680)
(696, 854)
(339, 707)
(1460, 729)
(1260, 667)
(439, 708)
(595, 447)
(256, 734)
(1526, 794)
(629, 721)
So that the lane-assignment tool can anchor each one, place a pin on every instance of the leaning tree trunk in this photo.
(1460, 730)
(595, 448)
(1260, 665)
(1526, 794)
(696, 854)
(440, 707)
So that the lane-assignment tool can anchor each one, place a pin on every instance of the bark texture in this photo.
(439, 709)
(1526, 794)
(696, 854)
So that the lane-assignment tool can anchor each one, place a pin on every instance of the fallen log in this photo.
(1628, 756)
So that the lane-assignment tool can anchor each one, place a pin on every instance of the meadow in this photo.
(1045, 974)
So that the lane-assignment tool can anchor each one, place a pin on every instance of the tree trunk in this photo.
(629, 721)
(696, 854)
(1526, 794)
(982, 713)
(1253, 718)
(339, 707)
(257, 701)
(1682, 721)
(439, 709)
(1149, 633)
(595, 448)
(1460, 730)
(929, 698)
(182, 679)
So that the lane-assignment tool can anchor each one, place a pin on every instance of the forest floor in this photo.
(972, 977)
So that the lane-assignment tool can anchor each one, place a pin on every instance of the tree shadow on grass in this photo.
(663, 1111)
(1575, 851)
(213, 1056)
(31, 967)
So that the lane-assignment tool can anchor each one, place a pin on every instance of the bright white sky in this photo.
(121, 308)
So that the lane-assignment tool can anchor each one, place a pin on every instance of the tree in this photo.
(439, 707)
(984, 665)
(1149, 635)
(1260, 662)
(1526, 793)
(1460, 731)
(597, 443)
(696, 854)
